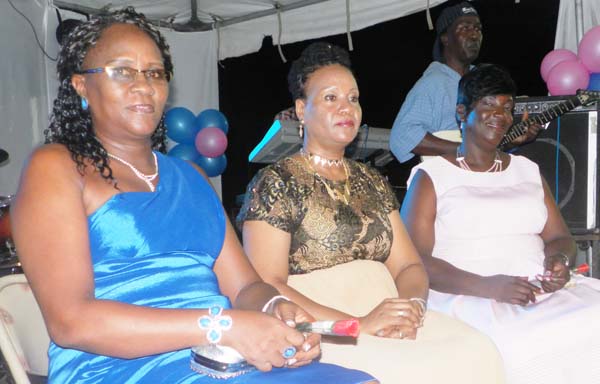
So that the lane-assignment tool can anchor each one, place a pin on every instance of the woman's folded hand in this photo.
(292, 314)
(395, 318)
(556, 273)
(266, 341)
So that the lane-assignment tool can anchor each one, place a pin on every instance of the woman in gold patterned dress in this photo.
(316, 212)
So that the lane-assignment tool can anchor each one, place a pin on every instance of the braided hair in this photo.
(315, 56)
(70, 124)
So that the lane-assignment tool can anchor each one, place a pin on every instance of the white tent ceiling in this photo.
(242, 24)
(180, 11)
(29, 81)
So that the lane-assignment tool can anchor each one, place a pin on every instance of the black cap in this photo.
(3, 155)
(446, 19)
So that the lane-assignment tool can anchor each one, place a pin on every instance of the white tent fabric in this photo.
(323, 18)
(29, 84)
(575, 17)
(195, 83)
(23, 99)
(28, 81)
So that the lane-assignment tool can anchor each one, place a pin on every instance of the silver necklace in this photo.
(144, 177)
(320, 160)
(496, 165)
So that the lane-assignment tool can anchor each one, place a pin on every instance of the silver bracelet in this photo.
(215, 323)
(268, 307)
(421, 302)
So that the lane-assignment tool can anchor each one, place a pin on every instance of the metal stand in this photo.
(589, 244)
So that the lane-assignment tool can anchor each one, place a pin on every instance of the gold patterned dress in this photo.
(325, 231)
(333, 245)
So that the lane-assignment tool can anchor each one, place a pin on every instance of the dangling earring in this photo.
(84, 104)
(301, 129)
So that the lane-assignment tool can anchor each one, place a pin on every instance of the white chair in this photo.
(23, 336)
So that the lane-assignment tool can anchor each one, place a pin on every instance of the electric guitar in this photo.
(582, 97)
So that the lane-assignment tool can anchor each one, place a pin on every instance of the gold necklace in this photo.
(333, 193)
(322, 161)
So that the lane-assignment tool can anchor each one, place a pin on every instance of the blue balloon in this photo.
(185, 152)
(212, 118)
(213, 166)
(181, 125)
(594, 84)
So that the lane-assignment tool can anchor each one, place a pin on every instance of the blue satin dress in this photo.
(157, 250)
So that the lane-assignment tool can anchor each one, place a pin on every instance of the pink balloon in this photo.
(589, 49)
(554, 57)
(211, 142)
(567, 77)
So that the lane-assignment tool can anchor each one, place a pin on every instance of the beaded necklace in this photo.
(496, 165)
(144, 177)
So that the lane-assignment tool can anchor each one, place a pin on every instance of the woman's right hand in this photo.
(262, 339)
(510, 289)
(394, 318)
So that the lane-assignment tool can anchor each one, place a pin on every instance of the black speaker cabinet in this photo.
(567, 154)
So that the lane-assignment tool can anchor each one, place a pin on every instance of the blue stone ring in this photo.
(289, 353)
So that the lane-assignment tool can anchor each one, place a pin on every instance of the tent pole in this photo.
(200, 26)
(82, 9)
(268, 12)
(578, 20)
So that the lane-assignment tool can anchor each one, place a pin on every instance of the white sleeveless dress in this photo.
(488, 224)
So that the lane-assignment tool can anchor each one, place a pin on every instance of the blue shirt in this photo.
(430, 106)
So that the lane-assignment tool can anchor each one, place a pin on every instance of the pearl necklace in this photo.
(144, 177)
(496, 166)
(322, 161)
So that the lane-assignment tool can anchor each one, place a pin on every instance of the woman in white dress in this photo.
(497, 249)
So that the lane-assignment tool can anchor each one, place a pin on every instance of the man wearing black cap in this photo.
(430, 106)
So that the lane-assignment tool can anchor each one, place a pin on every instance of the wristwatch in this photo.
(565, 258)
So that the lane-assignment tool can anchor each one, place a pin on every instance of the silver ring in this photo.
(402, 313)
(289, 352)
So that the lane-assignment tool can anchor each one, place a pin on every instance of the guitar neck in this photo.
(550, 114)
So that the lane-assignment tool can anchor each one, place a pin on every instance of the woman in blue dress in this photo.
(126, 250)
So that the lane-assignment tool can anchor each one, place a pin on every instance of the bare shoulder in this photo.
(51, 157)
(50, 163)
(421, 179)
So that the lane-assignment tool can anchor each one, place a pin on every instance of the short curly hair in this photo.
(484, 80)
(315, 56)
(70, 124)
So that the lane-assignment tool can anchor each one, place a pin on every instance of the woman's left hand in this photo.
(291, 314)
(409, 332)
(557, 271)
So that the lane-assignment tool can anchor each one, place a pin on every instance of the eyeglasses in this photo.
(127, 75)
